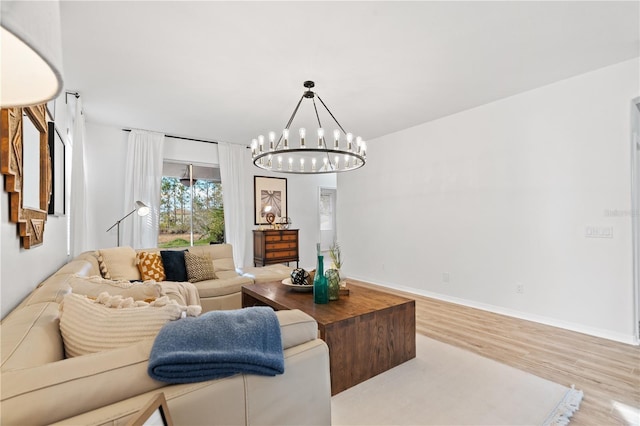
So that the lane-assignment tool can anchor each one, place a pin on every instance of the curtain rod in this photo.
(180, 137)
(67, 93)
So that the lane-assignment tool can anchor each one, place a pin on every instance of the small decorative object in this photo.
(300, 277)
(271, 217)
(320, 290)
(285, 222)
(333, 282)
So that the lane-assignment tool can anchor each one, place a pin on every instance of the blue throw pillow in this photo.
(174, 266)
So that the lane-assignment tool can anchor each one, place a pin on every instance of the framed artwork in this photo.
(155, 413)
(57, 151)
(270, 196)
(24, 142)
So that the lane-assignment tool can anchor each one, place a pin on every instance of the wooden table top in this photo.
(360, 301)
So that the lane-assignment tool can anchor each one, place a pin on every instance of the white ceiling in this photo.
(232, 70)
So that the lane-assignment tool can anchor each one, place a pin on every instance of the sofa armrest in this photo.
(296, 328)
(62, 389)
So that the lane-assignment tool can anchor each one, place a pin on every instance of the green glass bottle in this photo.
(320, 288)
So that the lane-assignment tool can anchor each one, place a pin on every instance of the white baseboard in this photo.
(554, 322)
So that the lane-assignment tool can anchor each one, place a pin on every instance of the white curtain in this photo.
(79, 229)
(143, 176)
(234, 161)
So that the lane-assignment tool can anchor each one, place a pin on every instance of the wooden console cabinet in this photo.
(275, 246)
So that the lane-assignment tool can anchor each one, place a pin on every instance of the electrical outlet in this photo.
(445, 277)
(520, 288)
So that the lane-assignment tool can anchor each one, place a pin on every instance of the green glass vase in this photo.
(333, 282)
(320, 288)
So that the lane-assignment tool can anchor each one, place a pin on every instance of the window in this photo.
(179, 222)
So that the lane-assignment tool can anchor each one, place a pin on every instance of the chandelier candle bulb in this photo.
(290, 164)
(303, 133)
(261, 142)
(272, 138)
(320, 136)
(302, 164)
(336, 139)
(349, 142)
(279, 162)
(285, 136)
(313, 164)
(254, 146)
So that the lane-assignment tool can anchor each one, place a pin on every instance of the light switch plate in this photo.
(599, 232)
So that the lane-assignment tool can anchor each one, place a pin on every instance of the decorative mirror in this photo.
(25, 162)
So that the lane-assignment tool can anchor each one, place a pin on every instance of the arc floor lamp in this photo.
(142, 210)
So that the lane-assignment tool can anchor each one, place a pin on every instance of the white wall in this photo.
(106, 151)
(22, 270)
(502, 195)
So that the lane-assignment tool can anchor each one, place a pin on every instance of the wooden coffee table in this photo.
(368, 331)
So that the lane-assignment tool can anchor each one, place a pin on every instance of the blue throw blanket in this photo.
(218, 344)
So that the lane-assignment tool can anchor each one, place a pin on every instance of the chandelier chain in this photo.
(324, 142)
(331, 114)
(293, 115)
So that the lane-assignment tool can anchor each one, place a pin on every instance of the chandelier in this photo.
(309, 157)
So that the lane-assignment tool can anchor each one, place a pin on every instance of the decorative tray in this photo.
(297, 287)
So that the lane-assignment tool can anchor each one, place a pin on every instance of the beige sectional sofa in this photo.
(40, 386)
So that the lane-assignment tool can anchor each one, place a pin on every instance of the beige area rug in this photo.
(445, 385)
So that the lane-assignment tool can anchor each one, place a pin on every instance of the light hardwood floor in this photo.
(607, 372)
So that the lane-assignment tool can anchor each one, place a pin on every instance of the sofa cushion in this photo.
(93, 286)
(31, 337)
(222, 286)
(199, 268)
(174, 266)
(150, 266)
(89, 326)
(118, 263)
(262, 274)
(222, 255)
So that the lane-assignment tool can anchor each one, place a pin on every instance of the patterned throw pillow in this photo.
(174, 267)
(199, 268)
(89, 326)
(150, 266)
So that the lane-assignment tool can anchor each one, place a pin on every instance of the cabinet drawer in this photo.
(288, 254)
(272, 237)
(289, 237)
(281, 246)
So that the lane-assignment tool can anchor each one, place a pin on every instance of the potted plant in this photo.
(336, 257)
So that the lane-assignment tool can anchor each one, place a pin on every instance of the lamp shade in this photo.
(30, 52)
(142, 208)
